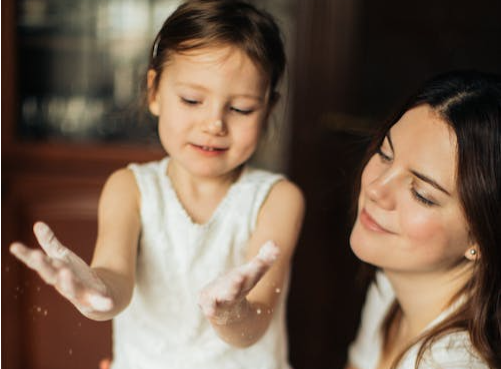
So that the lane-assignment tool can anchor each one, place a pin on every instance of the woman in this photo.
(429, 221)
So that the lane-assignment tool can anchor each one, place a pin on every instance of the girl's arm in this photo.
(240, 305)
(105, 289)
(119, 225)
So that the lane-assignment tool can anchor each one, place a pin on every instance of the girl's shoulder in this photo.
(280, 184)
(280, 189)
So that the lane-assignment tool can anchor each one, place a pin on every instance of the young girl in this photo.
(167, 229)
(429, 218)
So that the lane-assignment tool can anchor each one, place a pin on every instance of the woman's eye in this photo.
(189, 101)
(421, 198)
(383, 156)
(242, 111)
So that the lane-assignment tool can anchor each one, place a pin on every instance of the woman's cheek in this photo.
(421, 226)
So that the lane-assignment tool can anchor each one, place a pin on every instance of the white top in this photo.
(453, 351)
(163, 327)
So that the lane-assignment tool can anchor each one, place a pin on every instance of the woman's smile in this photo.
(369, 223)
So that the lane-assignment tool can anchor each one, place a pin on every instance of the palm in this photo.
(220, 299)
(69, 274)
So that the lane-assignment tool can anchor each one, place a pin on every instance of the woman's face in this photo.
(409, 214)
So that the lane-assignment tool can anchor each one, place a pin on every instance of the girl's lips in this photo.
(369, 223)
(209, 150)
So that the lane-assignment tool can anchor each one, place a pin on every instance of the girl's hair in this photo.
(204, 23)
(470, 103)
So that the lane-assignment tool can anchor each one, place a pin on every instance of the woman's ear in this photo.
(472, 253)
(152, 85)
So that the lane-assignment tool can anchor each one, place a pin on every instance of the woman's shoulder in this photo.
(453, 350)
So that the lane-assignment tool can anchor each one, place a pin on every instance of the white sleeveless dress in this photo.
(163, 327)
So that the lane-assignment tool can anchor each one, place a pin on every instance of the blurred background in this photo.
(71, 82)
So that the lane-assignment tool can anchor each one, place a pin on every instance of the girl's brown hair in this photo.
(201, 23)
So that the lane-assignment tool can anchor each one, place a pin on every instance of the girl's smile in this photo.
(212, 105)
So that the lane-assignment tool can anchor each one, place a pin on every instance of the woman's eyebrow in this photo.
(430, 181)
(388, 136)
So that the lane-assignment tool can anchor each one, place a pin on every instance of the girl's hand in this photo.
(67, 272)
(223, 300)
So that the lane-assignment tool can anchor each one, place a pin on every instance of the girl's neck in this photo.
(422, 297)
(200, 196)
(181, 178)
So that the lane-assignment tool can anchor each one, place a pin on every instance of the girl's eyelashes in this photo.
(241, 111)
(189, 101)
(194, 102)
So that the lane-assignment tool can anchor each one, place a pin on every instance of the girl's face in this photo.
(409, 214)
(212, 104)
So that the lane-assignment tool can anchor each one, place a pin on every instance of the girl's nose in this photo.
(215, 127)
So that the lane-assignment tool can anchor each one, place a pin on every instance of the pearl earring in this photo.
(473, 252)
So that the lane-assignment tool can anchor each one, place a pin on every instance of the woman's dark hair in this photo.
(470, 103)
(200, 23)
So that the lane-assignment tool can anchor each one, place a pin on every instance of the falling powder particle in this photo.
(39, 309)
(45, 312)
(277, 290)
(258, 311)
(70, 352)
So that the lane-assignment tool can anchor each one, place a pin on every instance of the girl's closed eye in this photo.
(189, 101)
(241, 111)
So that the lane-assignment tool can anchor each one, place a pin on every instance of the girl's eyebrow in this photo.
(205, 89)
(430, 181)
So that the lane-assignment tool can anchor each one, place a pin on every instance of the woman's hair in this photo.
(205, 23)
(470, 103)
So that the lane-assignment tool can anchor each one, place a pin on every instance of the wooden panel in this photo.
(54, 335)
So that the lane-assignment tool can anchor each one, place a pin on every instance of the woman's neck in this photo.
(423, 296)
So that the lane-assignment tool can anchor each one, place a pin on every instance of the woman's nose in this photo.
(381, 189)
(215, 127)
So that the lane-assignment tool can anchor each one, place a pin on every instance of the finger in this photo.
(260, 264)
(83, 298)
(268, 253)
(36, 260)
(232, 287)
(66, 284)
(99, 303)
(207, 304)
(48, 240)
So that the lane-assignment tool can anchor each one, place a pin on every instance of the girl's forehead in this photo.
(212, 54)
(225, 64)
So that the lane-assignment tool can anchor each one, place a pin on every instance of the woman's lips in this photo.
(369, 223)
